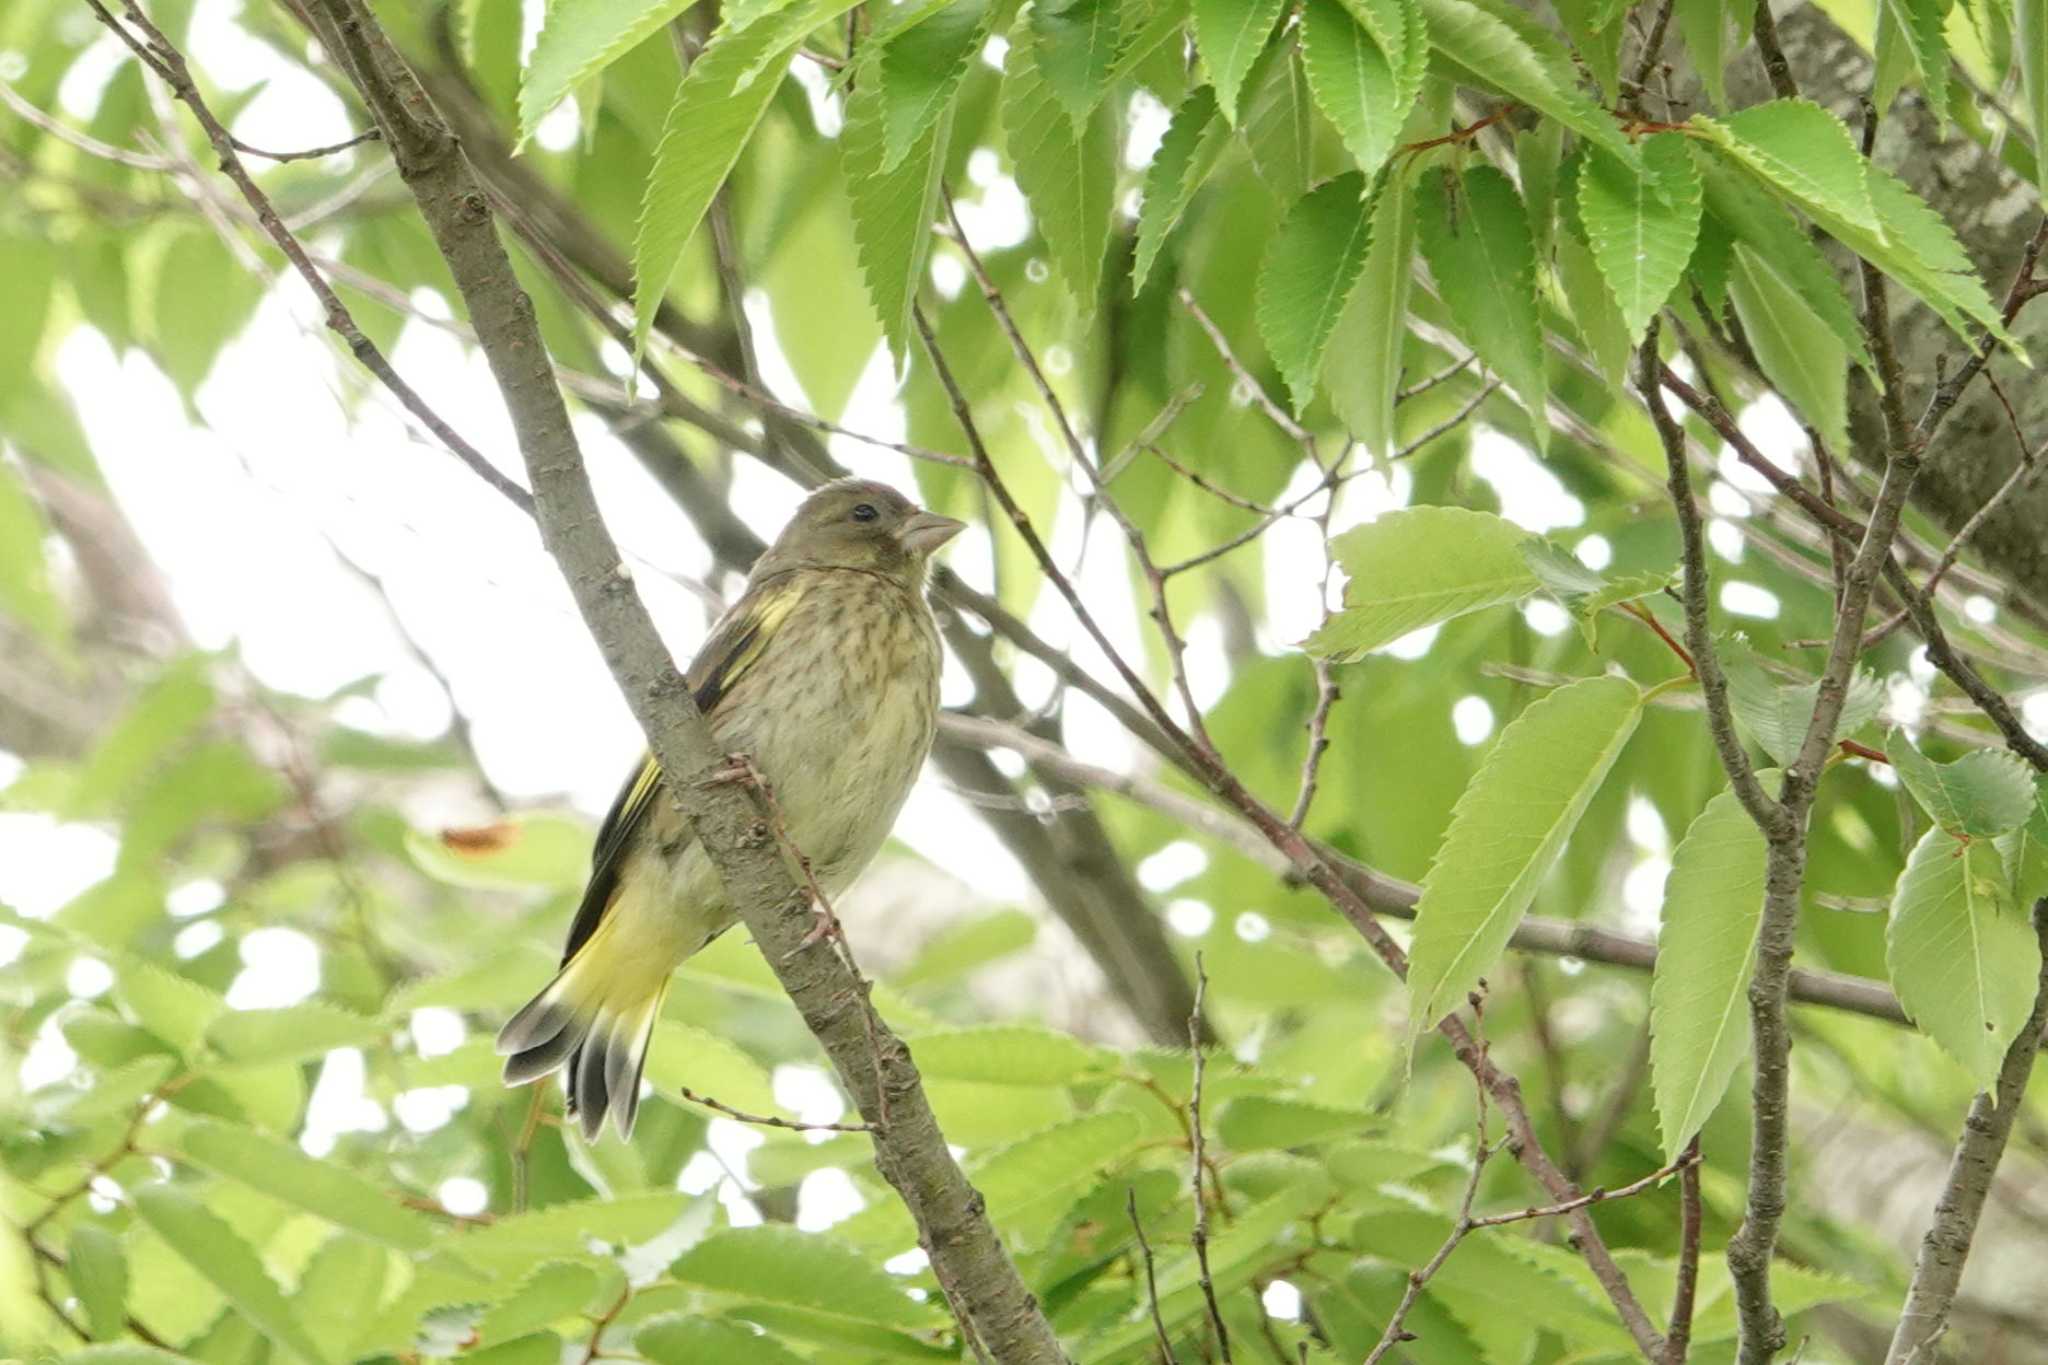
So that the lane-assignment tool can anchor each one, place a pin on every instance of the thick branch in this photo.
(1946, 1248)
(988, 1295)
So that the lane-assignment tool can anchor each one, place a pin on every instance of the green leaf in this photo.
(1251, 1123)
(98, 1269)
(1961, 956)
(1524, 62)
(579, 39)
(1362, 362)
(1008, 1054)
(1354, 82)
(682, 1056)
(1229, 34)
(892, 210)
(778, 1264)
(1642, 221)
(1480, 253)
(1029, 1183)
(1076, 43)
(1601, 325)
(1921, 22)
(1308, 270)
(966, 946)
(677, 1339)
(174, 1008)
(1804, 151)
(1416, 566)
(1584, 592)
(1370, 1163)
(1067, 174)
(2030, 38)
(716, 108)
(1278, 123)
(527, 850)
(1799, 354)
(294, 1033)
(207, 1244)
(1506, 834)
(921, 68)
(325, 1189)
(2025, 851)
(1195, 140)
(1984, 793)
(1706, 951)
(513, 1245)
(1780, 247)
(124, 1353)
(1705, 27)
(1775, 714)
(550, 1292)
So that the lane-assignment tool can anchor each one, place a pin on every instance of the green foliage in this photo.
(1706, 952)
(1418, 566)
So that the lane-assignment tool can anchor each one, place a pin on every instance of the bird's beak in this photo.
(927, 531)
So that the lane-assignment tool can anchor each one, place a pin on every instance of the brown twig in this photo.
(1166, 1353)
(770, 1120)
(1200, 1237)
(1678, 1340)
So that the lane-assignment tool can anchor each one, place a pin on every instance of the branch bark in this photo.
(1945, 1250)
(987, 1293)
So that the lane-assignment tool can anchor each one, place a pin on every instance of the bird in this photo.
(824, 678)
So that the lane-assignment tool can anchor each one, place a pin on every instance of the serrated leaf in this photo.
(1780, 247)
(1585, 592)
(716, 109)
(345, 1274)
(1008, 1054)
(1308, 270)
(1804, 151)
(921, 68)
(1252, 1123)
(174, 1008)
(294, 1033)
(1370, 1162)
(1029, 1183)
(682, 1055)
(98, 1270)
(1775, 714)
(1076, 44)
(778, 1264)
(1195, 140)
(1229, 35)
(323, 1188)
(1278, 123)
(1354, 82)
(1706, 952)
(2030, 41)
(206, 1243)
(1525, 63)
(892, 210)
(1362, 362)
(26, 590)
(2025, 851)
(1416, 566)
(1483, 260)
(1799, 354)
(1920, 23)
(1068, 175)
(1641, 221)
(1960, 954)
(515, 1244)
(1601, 325)
(555, 1290)
(1984, 793)
(677, 1339)
(579, 39)
(1506, 834)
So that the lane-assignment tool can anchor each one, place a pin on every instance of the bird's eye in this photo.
(865, 512)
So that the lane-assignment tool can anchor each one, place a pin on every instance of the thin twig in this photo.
(1195, 1155)
(1678, 1340)
(770, 1120)
(1166, 1353)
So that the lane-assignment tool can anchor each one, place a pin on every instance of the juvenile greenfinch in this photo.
(825, 673)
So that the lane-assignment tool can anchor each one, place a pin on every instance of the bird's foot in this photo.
(736, 768)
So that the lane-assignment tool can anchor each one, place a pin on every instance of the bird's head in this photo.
(860, 524)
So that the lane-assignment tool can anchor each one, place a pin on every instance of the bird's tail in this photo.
(595, 1019)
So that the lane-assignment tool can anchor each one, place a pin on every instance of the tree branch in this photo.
(986, 1292)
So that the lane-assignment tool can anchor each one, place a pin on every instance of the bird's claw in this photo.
(735, 768)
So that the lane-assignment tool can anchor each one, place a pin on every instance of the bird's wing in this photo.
(735, 645)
